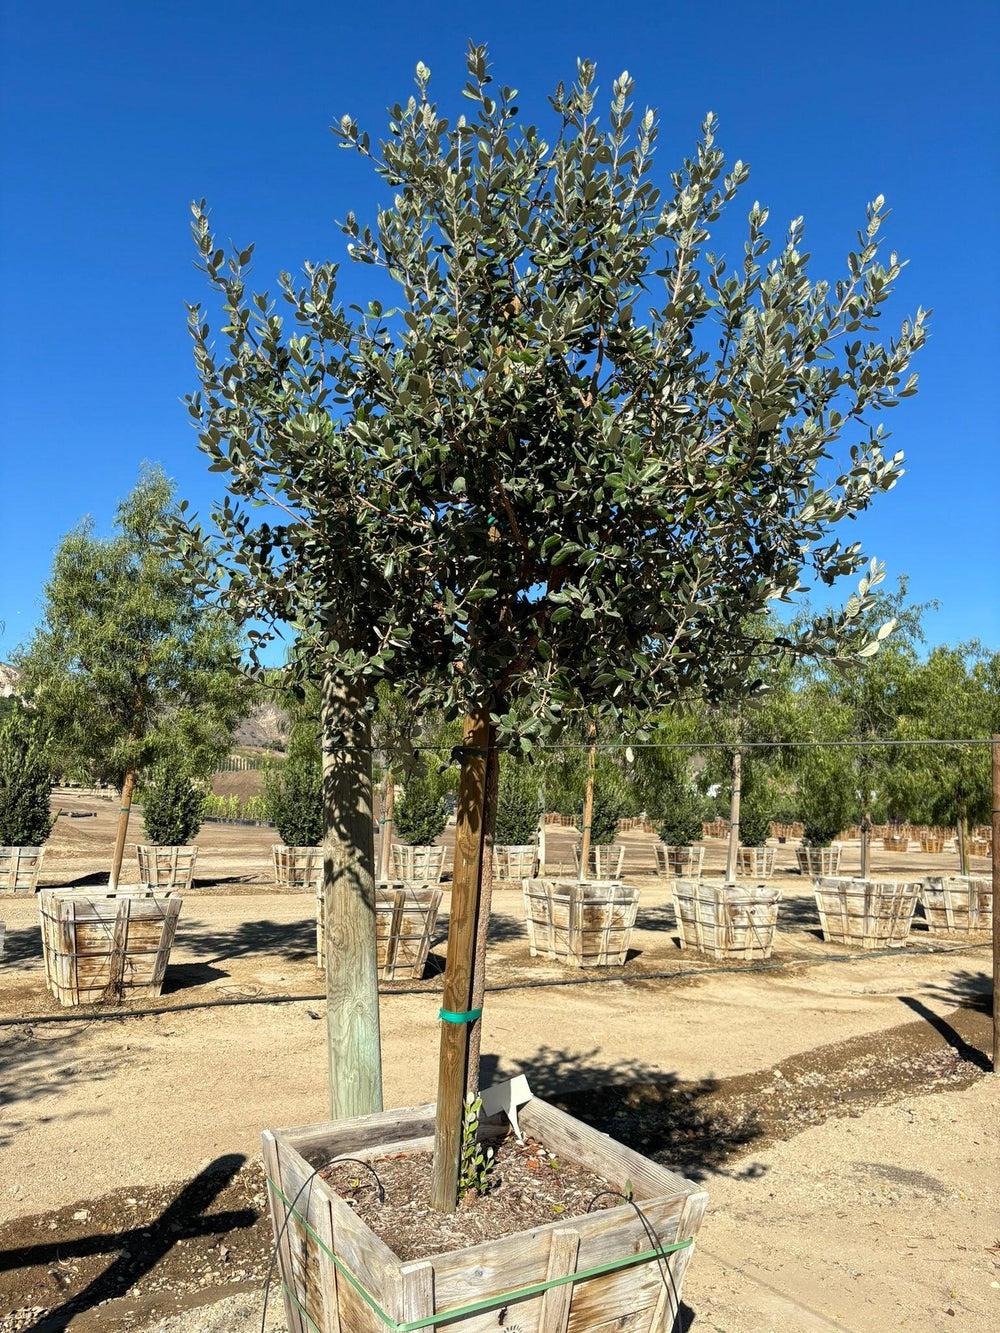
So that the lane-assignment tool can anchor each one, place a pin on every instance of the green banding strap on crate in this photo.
(476, 1307)
(469, 1016)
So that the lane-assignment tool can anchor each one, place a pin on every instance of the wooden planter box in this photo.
(166, 869)
(957, 904)
(515, 861)
(817, 861)
(931, 843)
(895, 843)
(339, 1277)
(868, 913)
(603, 862)
(405, 918)
(715, 828)
(585, 924)
(421, 865)
(19, 867)
(756, 862)
(980, 847)
(726, 920)
(100, 949)
(298, 867)
(686, 861)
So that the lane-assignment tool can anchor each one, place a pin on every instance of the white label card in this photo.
(507, 1097)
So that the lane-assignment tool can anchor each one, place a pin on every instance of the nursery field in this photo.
(835, 1104)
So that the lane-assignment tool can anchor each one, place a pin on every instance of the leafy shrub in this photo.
(827, 802)
(172, 808)
(517, 807)
(25, 783)
(421, 813)
(293, 798)
(755, 824)
(682, 812)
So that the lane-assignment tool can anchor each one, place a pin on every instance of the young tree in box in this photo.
(128, 667)
(172, 807)
(598, 453)
(25, 782)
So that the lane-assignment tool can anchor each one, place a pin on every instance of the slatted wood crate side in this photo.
(515, 861)
(420, 865)
(114, 946)
(405, 918)
(636, 1297)
(819, 861)
(585, 925)
(162, 869)
(297, 867)
(870, 914)
(685, 862)
(726, 922)
(756, 862)
(604, 863)
(19, 868)
(957, 904)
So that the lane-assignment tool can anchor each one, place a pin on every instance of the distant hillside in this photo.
(9, 676)
(266, 728)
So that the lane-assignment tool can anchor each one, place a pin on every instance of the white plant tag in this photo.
(507, 1097)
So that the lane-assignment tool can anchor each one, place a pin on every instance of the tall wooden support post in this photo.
(963, 859)
(456, 1004)
(866, 833)
(354, 1048)
(491, 797)
(385, 831)
(542, 857)
(995, 749)
(734, 821)
(128, 787)
(588, 809)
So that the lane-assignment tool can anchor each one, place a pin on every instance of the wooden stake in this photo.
(352, 1022)
(123, 813)
(385, 834)
(483, 912)
(995, 748)
(588, 808)
(458, 975)
(866, 833)
(963, 860)
(734, 820)
(541, 837)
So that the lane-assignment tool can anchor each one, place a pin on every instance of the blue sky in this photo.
(115, 116)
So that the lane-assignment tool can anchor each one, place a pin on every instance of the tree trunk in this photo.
(483, 912)
(963, 859)
(349, 890)
(124, 811)
(734, 821)
(866, 832)
(588, 809)
(541, 836)
(456, 1005)
(385, 835)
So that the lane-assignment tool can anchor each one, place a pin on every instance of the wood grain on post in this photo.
(385, 833)
(123, 813)
(352, 1021)
(963, 860)
(734, 821)
(459, 966)
(995, 750)
(588, 808)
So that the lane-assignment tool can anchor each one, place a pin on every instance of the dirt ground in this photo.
(836, 1106)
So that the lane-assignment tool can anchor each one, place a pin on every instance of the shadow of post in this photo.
(142, 1248)
(954, 1039)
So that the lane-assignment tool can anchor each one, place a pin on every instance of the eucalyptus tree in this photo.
(572, 465)
(127, 668)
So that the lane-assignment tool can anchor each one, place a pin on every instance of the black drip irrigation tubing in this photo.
(796, 960)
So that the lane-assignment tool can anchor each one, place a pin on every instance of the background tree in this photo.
(26, 818)
(128, 668)
(172, 807)
(571, 494)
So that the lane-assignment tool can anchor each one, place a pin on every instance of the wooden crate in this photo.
(166, 869)
(19, 867)
(868, 913)
(585, 924)
(715, 828)
(103, 948)
(726, 920)
(686, 861)
(896, 842)
(420, 865)
(603, 862)
(756, 862)
(930, 842)
(339, 1277)
(818, 861)
(957, 904)
(515, 861)
(405, 917)
(298, 867)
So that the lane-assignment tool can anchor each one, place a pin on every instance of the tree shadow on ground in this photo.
(24, 945)
(139, 1250)
(674, 1123)
(34, 1066)
(966, 989)
(291, 941)
(954, 1039)
(182, 976)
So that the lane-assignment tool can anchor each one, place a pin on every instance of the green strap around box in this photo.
(477, 1307)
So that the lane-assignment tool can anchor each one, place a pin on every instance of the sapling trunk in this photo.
(385, 836)
(588, 809)
(125, 809)
(349, 889)
(483, 912)
(963, 859)
(734, 821)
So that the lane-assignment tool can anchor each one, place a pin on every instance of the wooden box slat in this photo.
(755, 862)
(418, 865)
(635, 1297)
(297, 867)
(957, 904)
(515, 861)
(817, 862)
(726, 920)
(165, 869)
(585, 924)
(868, 913)
(405, 917)
(684, 862)
(19, 867)
(103, 947)
(604, 863)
